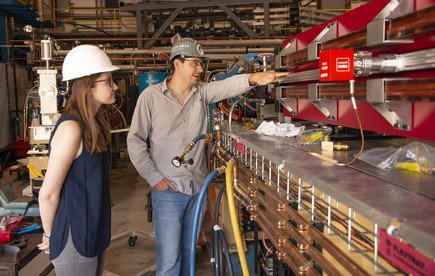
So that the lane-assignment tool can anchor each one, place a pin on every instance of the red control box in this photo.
(336, 65)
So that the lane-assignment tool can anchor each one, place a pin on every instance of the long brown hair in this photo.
(95, 129)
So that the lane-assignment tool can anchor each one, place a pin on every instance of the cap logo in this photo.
(176, 47)
(199, 48)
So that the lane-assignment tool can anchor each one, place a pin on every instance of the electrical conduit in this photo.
(234, 221)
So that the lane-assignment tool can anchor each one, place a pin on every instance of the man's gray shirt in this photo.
(170, 127)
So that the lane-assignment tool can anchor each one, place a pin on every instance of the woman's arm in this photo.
(66, 145)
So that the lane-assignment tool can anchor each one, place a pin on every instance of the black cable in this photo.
(220, 259)
(227, 253)
(218, 241)
(30, 203)
(218, 251)
(212, 253)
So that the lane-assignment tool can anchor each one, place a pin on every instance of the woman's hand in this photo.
(44, 245)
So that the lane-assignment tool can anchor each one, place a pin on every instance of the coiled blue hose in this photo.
(195, 230)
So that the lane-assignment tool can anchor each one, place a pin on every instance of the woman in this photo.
(74, 198)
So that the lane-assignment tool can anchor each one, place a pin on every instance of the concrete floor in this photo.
(129, 214)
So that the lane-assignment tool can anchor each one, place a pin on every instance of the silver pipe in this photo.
(230, 115)
(419, 60)
(309, 75)
(130, 67)
(243, 42)
(365, 64)
(135, 51)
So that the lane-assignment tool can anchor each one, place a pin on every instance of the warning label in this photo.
(406, 257)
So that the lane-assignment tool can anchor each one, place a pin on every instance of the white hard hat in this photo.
(85, 60)
(187, 47)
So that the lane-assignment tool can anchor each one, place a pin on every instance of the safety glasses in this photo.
(196, 62)
(109, 81)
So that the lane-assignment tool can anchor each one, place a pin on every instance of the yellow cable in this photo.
(31, 171)
(233, 215)
(35, 171)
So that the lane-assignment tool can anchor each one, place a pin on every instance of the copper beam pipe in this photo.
(241, 200)
(291, 254)
(224, 156)
(239, 189)
(303, 243)
(343, 259)
(349, 264)
(264, 227)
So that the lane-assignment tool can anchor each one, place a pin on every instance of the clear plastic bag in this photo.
(417, 157)
(313, 136)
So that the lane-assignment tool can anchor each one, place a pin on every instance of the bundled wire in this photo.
(217, 241)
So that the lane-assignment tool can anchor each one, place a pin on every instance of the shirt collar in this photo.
(166, 90)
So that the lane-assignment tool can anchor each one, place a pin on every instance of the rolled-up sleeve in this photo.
(137, 145)
(220, 90)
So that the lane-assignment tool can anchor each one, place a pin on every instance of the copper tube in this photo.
(347, 263)
(294, 257)
(291, 263)
(341, 257)
(405, 26)
(236, 185)
(241, 200)
(300, 239)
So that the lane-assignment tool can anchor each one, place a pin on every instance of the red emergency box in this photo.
(336, 65)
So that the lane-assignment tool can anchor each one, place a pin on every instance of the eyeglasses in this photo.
(196, 62)
(109, 81)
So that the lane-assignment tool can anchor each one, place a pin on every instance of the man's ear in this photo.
(177, 64)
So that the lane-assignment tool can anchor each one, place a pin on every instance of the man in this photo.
(171, 114)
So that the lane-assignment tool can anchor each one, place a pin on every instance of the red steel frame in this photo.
(352, 24)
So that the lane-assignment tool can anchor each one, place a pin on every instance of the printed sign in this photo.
(343, 65)
(404, 256)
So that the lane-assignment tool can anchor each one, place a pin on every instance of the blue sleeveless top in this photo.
(84, 205)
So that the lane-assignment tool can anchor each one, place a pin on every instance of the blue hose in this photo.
(195, 230)
(197, 138)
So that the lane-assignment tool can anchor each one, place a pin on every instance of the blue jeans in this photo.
(174, 216)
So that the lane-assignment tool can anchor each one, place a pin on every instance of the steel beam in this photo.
(163, 27)
(238, 21)
(175, 5)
